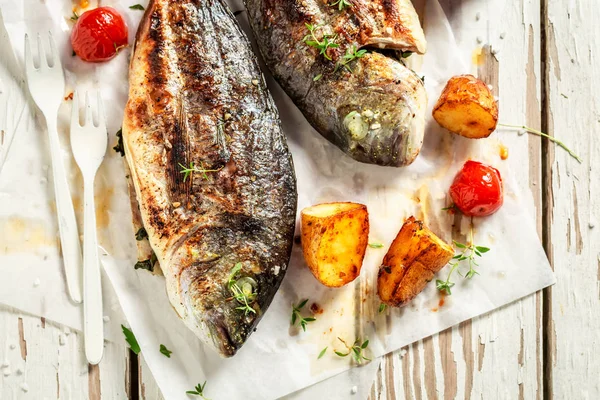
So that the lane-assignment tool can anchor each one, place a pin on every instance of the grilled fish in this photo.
(211, 168)
(338, 64)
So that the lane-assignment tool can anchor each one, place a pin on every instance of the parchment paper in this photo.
(278, 359)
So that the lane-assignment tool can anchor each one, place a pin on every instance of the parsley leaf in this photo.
(131, 340)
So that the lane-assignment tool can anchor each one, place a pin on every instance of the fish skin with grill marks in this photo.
(197, 97)
(372, 108)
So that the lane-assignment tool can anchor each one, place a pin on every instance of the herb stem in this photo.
(545, 135)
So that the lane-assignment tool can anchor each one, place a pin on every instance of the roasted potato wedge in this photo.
(415, 256)
(467, 107)
(334, 241)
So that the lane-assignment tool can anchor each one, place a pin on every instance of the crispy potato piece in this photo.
(334, 241)
(467, 108)
(415, 256)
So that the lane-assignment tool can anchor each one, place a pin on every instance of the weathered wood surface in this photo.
(543, 346)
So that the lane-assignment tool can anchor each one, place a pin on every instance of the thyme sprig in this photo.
(468, 253)
(188, 171)
(198, 390)
(327, 41)
(351, 54)
(297, 315)
(341, 4)
(545, 135)
(243, 290)
(357, 350)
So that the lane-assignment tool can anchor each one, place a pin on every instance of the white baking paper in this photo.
(278, 359)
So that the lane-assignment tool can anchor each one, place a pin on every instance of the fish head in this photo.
(380, 115)
(223, 297)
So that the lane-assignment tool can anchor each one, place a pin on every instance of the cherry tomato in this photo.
(477, 189)
(99, 34)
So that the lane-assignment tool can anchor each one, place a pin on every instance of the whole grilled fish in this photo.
(211, 168)
(365, 102)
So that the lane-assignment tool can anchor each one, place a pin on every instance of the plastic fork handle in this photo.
(93, 324)
(67, 224)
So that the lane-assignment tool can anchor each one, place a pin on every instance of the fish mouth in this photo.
(221, 336)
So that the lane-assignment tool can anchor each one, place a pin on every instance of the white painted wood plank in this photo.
(499, 355)
(148, 388)
(573, 90)
(43, 360)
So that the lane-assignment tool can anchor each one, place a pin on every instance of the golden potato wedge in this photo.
(467, 107)
(334, 241)
(415, 256)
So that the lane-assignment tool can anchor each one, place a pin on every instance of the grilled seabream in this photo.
(212, 172)
(341, 63)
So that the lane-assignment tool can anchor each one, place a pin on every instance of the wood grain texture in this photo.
(572, 200)
(42, 360)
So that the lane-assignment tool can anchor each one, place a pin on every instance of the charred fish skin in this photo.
(373, 107)
(211, 168)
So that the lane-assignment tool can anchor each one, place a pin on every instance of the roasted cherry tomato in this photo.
(99, 34)
(477, 189)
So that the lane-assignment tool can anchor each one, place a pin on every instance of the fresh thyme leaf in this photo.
(341, 4)
(351, 55)
(322, 353)
(375, 245)
(165, 351)
(141, 234)
(302, 304)
(243, 290)
(382, 307)
(327, 41)
(119, 146)
(468, 254)
(137, 7)
(405, 54)
(192, 168)
(198, 390)
(131, 340)
(297, 315)
(545, 135)
(356, 350)
(317, 77)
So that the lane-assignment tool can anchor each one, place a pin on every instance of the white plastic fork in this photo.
(89, 147)
(47, 85)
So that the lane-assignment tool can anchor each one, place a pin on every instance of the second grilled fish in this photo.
(368, 104)
(211, 168)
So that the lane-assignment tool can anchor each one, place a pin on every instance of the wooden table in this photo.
(543, 346)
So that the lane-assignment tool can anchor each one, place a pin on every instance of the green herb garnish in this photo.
(297, 314)
(75, 16)
(243, 290)
(322, 353)
(351, 54)
(165, 351)
(119, 146)
(198, 390)
(137, 7)
(375, 245)
(405, 54)
(141, 234)
(146, 264)
(341, 4)
(545, 135)
(192, 168)
(326, 42)
(131, 340)
(468, 253)
(317, 77)
(356, 350)
(382, 307)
